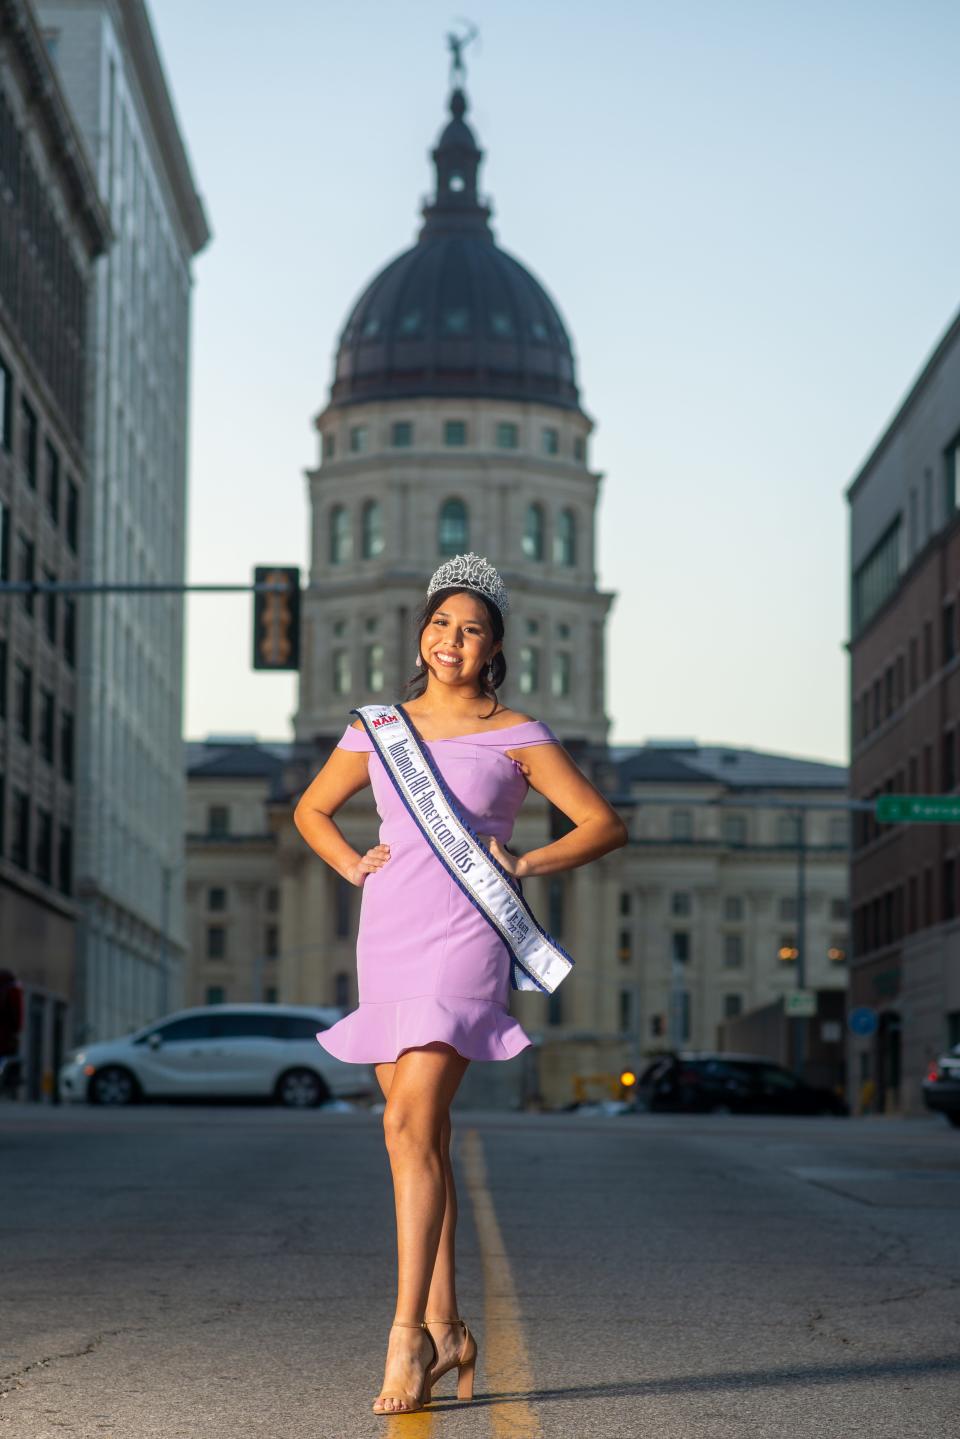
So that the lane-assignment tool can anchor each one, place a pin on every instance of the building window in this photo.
(685, 1016)
(565, 539)
(329, 445)
(341, 989)
(271, 941)
(374, 668)
(949, 630)
(341, 535)
(733, 829)
(626, 1011)
(455, 432)
(215, 994)
(626, 901)
(371, 529)
(216, 941)
(6, 406)
(50, 608)
(625, 946)
(681, 902)
(733, 907)
(52, 468)
(560, 674)
(453, 530)
(342, 912)
(66, 745)
(732, 1005)
(788, 907)
(951, 485)
(555, 905)
(341, 672)
(4, 541)
(529, 669)
(788, 830)
(555, 1008)
(20, 847)
(26, 557)
(272, 899)
(218, 819)
(70, 631)
(732, 951)
(73, 516)
(216, 898)
(271, 994)
(838, 907)
(533, 532)
(23, 700)
(401, 434)
(839, 831)
(550, 438)
(680, 946)
(876, 578)
(579, 448)
(681, 826)
(508, 435)
(65, 859)
(43, 857)
(359, 440)
(47, 725)
(28, 443)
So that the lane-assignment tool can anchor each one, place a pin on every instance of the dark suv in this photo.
(737, 1083)
(941, 1088)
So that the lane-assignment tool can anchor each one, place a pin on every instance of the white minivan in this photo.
(254, 1051)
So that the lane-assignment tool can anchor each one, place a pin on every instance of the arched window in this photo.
(533, 532)
(371, 529)
(453, 531)
(565, 539)
(374, 667)
(529, 670)
(341, 535)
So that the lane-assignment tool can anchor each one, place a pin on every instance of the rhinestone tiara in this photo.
(472, 572)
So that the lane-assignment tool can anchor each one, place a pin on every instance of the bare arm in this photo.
(599, 829)
(344, 774)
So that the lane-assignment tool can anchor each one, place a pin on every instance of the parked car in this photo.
(941, 1088)
(250, 1051)
(738, 1083)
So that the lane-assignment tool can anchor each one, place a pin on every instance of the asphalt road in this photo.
(223, 1273)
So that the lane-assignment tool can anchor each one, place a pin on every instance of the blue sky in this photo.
(748, 215)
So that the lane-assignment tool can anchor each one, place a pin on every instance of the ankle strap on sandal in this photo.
(443, 1321)
(405, 1324)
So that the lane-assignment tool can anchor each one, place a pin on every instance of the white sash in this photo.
(538, 962)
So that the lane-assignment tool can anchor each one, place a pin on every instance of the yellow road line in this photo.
(505, 1359)
(410, 1426)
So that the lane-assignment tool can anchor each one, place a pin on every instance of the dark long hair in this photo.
(417, 682)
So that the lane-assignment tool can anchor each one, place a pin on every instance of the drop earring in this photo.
(419, 661)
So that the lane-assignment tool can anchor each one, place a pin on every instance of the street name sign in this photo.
(800, 1003)
(918, 808)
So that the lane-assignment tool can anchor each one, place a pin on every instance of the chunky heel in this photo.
(465, 1362)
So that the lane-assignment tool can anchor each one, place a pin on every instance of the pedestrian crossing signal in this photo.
(276, 618)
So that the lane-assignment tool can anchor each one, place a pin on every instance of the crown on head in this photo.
(472, 572)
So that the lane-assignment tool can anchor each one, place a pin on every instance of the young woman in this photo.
(434, 976)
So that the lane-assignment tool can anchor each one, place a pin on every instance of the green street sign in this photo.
(918, 809)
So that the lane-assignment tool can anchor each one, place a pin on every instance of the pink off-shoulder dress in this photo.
(429, 966)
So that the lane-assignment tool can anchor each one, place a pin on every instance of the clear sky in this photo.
(747, 211)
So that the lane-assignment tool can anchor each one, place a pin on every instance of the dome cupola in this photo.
(455, 316)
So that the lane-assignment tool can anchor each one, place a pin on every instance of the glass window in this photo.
(374, 667)
(70, 631)
(456, 321)
(401, 434)
(296, 1026)
(342, 911)
(216, 898)
(4, 541)
(341, 535)
(565, 539)
(732, 1005)
(732, 951)
(625, 901)
(23, 699)
(73, 516)
(47, 725)
(43, 856)
(218, 819)
(6, 406)
(838, 907)
(28, 443)
(194, 1026)
(371, 529)
(66, 745)
(681, 825)
(507, 435)
(341, 672)
(272, 899)
(50, 608)
(65, 859)
(329, 445)
(243, 1026)
(680, 946)
(550, 439)
(52, 467)
(359, 439)
(733, 829)
(20, 838)
(788, 907)
(529, 669)
(579, 448)
(626, 1010)
(455, 432)
(876, 578)
(732, 907)
(561, 674)
(681, 902)
(26, 568)
(216, 941)
(214, 994)
(839, 831)
(788, 829)
(453, 530)
(533, 532)
(625, 946)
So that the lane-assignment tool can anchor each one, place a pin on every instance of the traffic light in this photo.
(276, 619)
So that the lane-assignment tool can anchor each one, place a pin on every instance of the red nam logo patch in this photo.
(384, 719)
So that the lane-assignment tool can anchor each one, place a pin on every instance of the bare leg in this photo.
(419, 1090)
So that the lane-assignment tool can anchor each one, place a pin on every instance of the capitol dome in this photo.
(455, 315)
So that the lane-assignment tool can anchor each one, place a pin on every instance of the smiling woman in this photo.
(449, 770)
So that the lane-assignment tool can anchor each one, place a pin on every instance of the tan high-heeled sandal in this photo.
(413, 1402)
(465, 1362)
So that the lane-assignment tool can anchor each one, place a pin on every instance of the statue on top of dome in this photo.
(457, 44)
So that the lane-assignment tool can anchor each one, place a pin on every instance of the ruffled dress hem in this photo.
(378, 1032)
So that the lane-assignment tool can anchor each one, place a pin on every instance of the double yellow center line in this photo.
(504, 1357)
